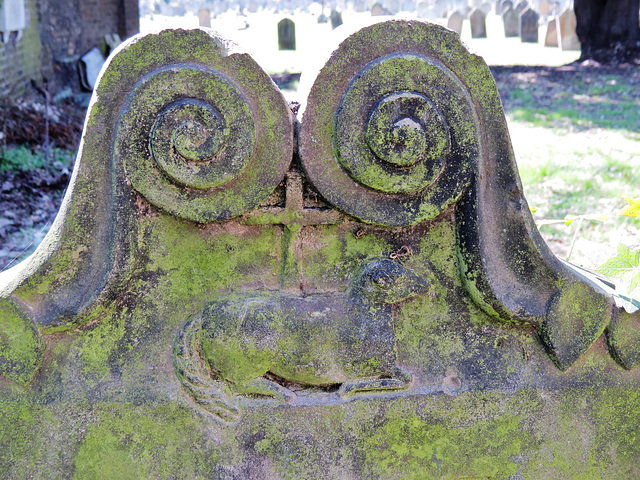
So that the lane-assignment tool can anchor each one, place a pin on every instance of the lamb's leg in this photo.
(400, 380)
(264, 387)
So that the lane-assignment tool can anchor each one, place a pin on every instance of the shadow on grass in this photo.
(571, 97)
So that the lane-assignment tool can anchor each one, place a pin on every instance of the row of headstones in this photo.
(425, 9)
(524, 25)
(522, 21)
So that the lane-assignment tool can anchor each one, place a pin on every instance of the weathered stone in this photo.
(505, 5)
(529, 26)
(204, 17)
(455, 21)
(511, 23)
(551, 37)
(521, 6)
(286, 34)
(567, 37)
(336, 19)
(545, 7)
(378, 10)
(478, 24)
(374, 303)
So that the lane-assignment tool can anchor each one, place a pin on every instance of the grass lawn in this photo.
(576, 136)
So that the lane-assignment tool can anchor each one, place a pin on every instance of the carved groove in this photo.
(191, 143)
(402, 147)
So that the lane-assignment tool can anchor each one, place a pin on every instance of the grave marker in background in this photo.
(551, 37)
(521, 6)
(455, 21)
(378, 10)
(478, 24)
(567, 37)
(511, 23)
(336, 19)
(545, 8)
(529, 26)
(204, 17)
(286, 34)
(506, 4)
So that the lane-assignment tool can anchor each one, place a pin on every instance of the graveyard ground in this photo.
(575, 131)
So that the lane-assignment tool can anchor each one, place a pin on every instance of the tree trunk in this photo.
(607, 27)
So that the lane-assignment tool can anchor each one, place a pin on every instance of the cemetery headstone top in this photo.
(286, 34)
(478, 24)
(567, 37)
(455, 21)
(511, 23)
(232, 291)
(529, 25)
(551, 37)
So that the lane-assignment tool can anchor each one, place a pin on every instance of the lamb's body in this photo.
(340, 338)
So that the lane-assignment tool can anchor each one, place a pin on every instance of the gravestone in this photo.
(322, 18)
(455, 21)
(566, 26)
(229, 292)
(360, 6)
(545, 7)
(521, 6)
(478, 24)
(511, 23)
(336, 19)
(529, 26)
(204, 17)
(486, 8)
(506, 4)
(286, 34)
(378, 10)
(393, 6)
(551, 38)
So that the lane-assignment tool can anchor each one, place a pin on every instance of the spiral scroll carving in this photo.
(203, 145)
(404, 139)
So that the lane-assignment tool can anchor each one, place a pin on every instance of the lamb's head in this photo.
(386, 281)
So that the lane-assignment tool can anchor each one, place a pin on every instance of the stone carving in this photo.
(391, 136)
(194, 200)
(192, 140)
(320, 340)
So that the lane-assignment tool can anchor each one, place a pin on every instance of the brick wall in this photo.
(70, 28)
(58, 33)
(20, 60)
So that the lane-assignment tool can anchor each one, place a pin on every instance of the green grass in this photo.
(576, 136)
(25, 159)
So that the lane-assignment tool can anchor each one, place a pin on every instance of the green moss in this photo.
(131, 443)
(21, 431)
(193, 264)
(21, 348)
(97, 348)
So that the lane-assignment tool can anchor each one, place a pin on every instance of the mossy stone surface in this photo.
(105, 372)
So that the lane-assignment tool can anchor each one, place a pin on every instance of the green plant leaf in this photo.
(631, 210)
(624, 266)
